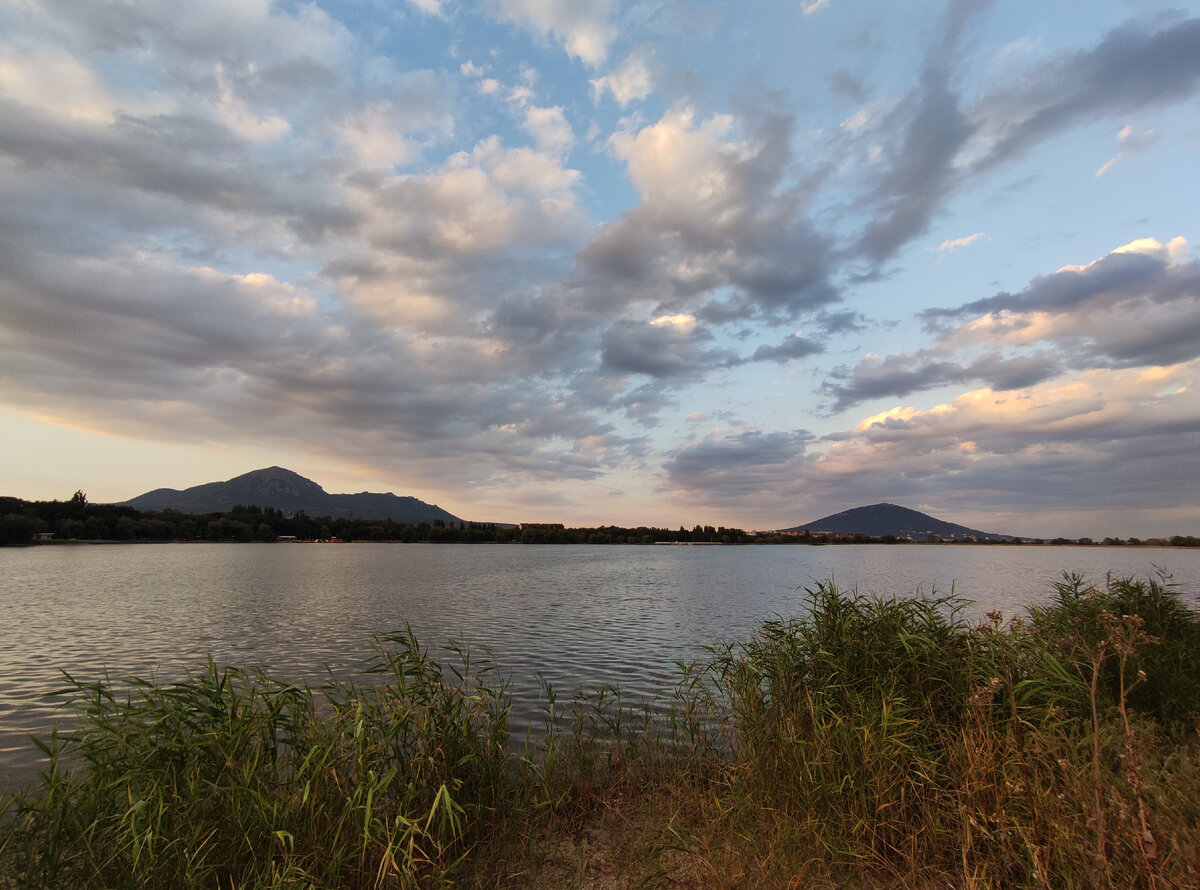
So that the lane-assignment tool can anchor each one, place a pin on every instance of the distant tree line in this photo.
(76, 519)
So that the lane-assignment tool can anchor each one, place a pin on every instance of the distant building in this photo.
(551, 526)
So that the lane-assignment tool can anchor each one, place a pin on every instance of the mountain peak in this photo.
(286, 490)
(884, 519)
(276, 480)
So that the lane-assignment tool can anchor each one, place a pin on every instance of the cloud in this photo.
(664, 348)
(247, 221)
(60, 85)
(1103, 411)
(899, 375)
(1129, 142)
(793, 347)
(585, 30)
(630, 81)
(728, 466)
(1138, 305)
(393, 131)
(429, 7)
(1097, 437)
(920, 171)
(932, 144)
(200, 355)
(1143, 268)
(1132, 69)
(549, 129)
(720, 230)
(956, 243)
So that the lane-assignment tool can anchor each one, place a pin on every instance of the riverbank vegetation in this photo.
(76, 519)
(870, 743)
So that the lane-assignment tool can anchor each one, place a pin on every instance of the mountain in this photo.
(878, 520)
(291, 493)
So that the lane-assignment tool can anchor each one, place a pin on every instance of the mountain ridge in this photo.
(884, 519)
(286, 490)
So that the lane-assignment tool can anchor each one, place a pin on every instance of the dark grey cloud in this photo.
(1145, 334)
(791, 348)
(1131, 307)
(1133, 68)
(196, 165)
(845, 321)
(1117, 277)
(846, 85)
(920, 171)
(901, 375)
(737, 465)
(664, 351)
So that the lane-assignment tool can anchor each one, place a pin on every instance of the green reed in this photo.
(230, 779)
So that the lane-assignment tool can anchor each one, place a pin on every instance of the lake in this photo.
(580, 616)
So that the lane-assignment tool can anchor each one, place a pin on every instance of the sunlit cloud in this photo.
(585, 30)
(61, 85)
(629, 82)
(956, 243)
(1129, 142)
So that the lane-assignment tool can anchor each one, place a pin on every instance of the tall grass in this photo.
(871, 742)
(230, 779)
(1016, 753)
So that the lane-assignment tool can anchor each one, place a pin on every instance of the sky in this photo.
(634, 262)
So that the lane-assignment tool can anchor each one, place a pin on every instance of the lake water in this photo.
(580, 616)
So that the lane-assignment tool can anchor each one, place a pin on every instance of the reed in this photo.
(874, 742)
(230, 779)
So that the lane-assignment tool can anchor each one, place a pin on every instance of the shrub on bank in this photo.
(888, 741)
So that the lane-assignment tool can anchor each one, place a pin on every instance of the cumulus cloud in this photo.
(1083, 425)
(1141, 268)
(629, 82)
(429, 7)
(720, 229)
(58, 84)
(585, 30)
(549, 129)
(666, 347)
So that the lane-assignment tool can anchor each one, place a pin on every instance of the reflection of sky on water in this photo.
(579, 616)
